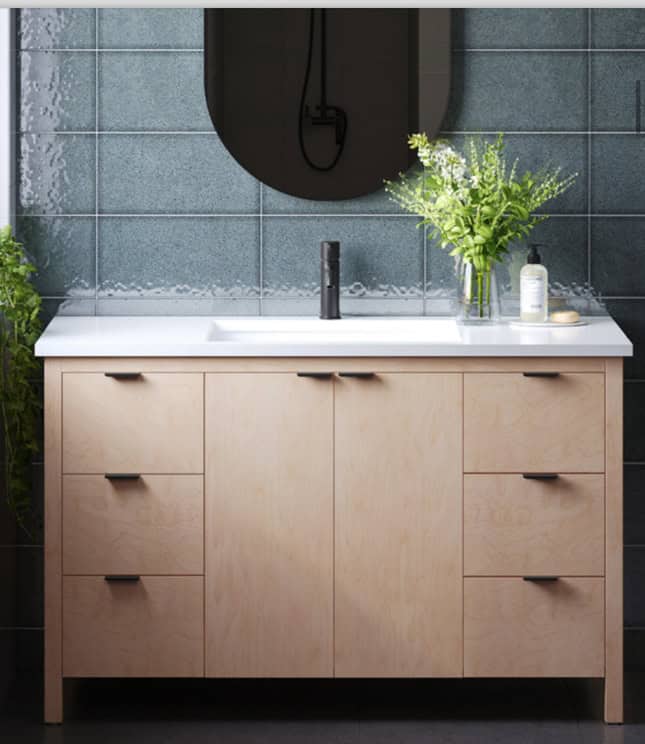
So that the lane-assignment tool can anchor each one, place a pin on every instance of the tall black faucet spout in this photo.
(330, 280)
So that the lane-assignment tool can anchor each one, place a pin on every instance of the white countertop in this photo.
(161, 336)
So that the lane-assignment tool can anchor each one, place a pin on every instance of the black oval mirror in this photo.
(318, 103)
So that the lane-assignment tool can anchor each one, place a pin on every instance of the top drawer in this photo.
(150, 424)
(516, 424)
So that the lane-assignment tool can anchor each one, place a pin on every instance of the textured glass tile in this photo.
(57, 28)
(161, 91)
(177, 257)
(57, 91)
(151, 28)
(56, 174)
(178, 174)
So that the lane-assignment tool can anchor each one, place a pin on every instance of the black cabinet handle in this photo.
(315, 375)
(124, 375)
(541, 374)
(357, 375)
(122, 476)
(540, 476)
(122, 577)
(541, 579)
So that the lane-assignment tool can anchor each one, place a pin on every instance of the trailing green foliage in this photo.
(20, 402)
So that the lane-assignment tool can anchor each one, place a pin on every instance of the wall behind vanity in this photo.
(129, 203)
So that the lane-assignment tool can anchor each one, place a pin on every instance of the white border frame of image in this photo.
(7, 117)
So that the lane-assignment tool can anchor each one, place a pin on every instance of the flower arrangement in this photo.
(474, 204)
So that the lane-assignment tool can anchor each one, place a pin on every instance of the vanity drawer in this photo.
(518, 628)
(153, 627)
(516, 422)
(151, 423)
(153, 524)
(517, 526)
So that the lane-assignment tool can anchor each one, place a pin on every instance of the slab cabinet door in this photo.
(269, 525)
(398, 526)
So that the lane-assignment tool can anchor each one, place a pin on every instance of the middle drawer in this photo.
(515, 526)
(153, 524)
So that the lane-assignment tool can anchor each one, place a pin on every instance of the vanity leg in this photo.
(614, 541)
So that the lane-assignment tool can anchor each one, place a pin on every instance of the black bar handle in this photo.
(122, 476)
(541, 579)
(123, 375)
(540, 476)
(541, 374)
(122, 577)
(357, 375)
(315, 375)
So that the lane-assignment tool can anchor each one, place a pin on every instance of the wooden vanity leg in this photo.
(614, 541)
(53, 545)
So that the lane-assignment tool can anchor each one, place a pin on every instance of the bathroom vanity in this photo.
(258, 497)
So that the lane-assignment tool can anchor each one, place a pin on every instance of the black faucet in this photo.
(329, 280)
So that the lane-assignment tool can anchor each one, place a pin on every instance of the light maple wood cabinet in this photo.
(333, 518)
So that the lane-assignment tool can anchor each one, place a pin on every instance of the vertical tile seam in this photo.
(96, 160)
(261, 250)
(589, 135)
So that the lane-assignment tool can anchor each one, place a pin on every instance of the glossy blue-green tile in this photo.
(53, 306)
(630, 316)
(275, 202)
(57, 91)
(63, 250)
(177, 174)
(56, 174)
(159, 91)
(144, 306)
(618, 28)
(179, 257)
(617, 167)
(541, 91)
(380, 256)
(519, 28)
(151, 28)
(57, 28)
(616, 103)
(618, 255)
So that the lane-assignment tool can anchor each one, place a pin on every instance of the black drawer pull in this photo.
(541, 579)
(541, 374)
(122, 476)
(122, 577)
(357, 375)
(540, 476)
(315, 375)
(123, 375)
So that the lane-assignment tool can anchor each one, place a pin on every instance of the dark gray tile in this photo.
(380, 256)
(634, 496)
(57, 91)
(519, 28)
(177, 174)
(29, 587)
(8, 584)
(180, 257)
(57, 28)
(138, 306)
(56, 174)
(7, 665)
(63, 250)
(616, 104)
(634, 583)
(159, 91)
(275, 202)
(65, 306)
(617, 255)
(29, 657)
(630, 316)
(617, 165)
(634, 408)
(491, 92)
(151, 28)
(635, 649)
(618, 28)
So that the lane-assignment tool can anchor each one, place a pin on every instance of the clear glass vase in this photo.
(477, 295)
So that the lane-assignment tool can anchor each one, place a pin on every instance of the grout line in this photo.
(22, 627)
(211, 132)
(96, 161)
(552, 50)
(261, 248)
(589, 165)
(111, 50)
(456, 50)
(635, 546)
(20, 545)
(297, 215)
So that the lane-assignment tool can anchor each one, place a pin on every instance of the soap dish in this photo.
(517, 323)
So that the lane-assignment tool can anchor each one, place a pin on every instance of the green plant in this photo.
(20, 402)
(475, 205)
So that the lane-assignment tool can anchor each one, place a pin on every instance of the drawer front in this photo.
(517, 526)
(517, 628)
(153, 627)
(518, 423)
(151, 525)
(151, 424)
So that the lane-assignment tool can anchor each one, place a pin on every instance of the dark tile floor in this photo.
(327, 712)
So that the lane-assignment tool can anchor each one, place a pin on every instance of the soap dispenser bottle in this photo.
(534, 287)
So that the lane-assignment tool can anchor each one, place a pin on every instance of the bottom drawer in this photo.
(153, 627)
(518, 628)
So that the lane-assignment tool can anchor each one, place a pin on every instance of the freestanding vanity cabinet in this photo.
(272, 498)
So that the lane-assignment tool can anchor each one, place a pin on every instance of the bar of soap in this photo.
(565, 316)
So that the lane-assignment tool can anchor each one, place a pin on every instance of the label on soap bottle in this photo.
(532, 294)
